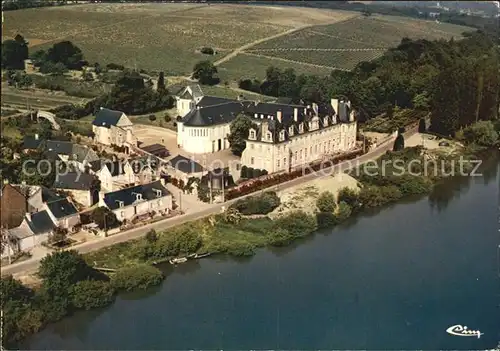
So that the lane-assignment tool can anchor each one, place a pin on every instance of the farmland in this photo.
(167, 37)
(250, 66)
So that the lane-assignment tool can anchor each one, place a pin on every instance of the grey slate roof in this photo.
(48, 195)
(59, 147)
(116, 168)
(212, 115)
(107, 118)
(62, 208)
(74, 180)
(41, 222)
(185, 165)
(213, 100)
(197, 92)
(128, 195)
(30, 142)
(175, 89)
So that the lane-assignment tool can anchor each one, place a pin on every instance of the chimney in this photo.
(36, 136)
(279, 116)
(296, 114)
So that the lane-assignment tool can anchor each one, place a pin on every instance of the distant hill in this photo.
(490, 8)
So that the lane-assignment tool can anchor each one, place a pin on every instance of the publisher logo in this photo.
(459, 330)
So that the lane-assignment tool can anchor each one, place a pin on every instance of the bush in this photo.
(244, 172)
(240, 249)
(326, 202)
(88, 294)
(412, 185)
(297, 223)
(256, 173)
(261, 204)
(421, 125)
(326, 220)
(115, 66)
(151, 236)
(167, 118)
(350, 197)
(140, 277)
(280, 237)
(482, 133)
(374, 196)
(207, 51)
(344, 211)
(152, 117)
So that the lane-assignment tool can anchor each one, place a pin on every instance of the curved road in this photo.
(32, 264)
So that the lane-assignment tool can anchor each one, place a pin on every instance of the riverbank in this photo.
(415, 268)
(240, 236)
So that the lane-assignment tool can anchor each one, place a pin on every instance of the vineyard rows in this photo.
(308, 39)
(379, 31)
(297, 62)
(309, 49)
(344, 60)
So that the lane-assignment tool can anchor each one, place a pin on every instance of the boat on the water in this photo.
(177, 260)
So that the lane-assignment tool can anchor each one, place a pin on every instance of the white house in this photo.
(289, 136)
(34, 229)
(81, 186)
(115, 175)
(139, 200)
(188, 98)
(113, 128)
(63, 213)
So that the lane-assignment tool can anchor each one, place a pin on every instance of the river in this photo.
(395, 279)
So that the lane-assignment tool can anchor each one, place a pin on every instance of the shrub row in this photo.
(261, 204)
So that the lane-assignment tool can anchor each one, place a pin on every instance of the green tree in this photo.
(297, 223)
(67, 53)
(53, 68)
(344, 211)
(325, 220)
(139, 277)
(205, 71)
(422, 128)
(239, 130)
(14, 53)
(161, 85)
(482, 133)
(326, 202)
(60, 270)
(280, 237)
(399, 143)
(350, 197)
(151, 236)
(421, 101)
(104, 218)
(87, 294)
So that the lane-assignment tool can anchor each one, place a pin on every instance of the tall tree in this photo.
(160, 87)
(205, 72)
(238, 133)
(67, 53)
(14, 52)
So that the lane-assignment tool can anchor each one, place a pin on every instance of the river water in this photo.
(396, 279)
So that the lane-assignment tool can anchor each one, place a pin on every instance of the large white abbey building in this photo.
(284, 136)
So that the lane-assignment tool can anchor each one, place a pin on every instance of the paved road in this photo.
(32, 264)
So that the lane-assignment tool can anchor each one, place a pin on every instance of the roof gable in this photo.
(185, 164)
(107, 118)
(41, 223)
(74, 180)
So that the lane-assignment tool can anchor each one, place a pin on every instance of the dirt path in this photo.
(239, 50)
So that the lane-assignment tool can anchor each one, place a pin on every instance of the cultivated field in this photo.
(168, 36)
(251, 66)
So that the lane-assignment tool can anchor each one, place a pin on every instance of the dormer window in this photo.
(282, 135)
(301, 128)
(252, 134)
(120, 203)
(290, 130)
(138, 196)
(158, 192)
